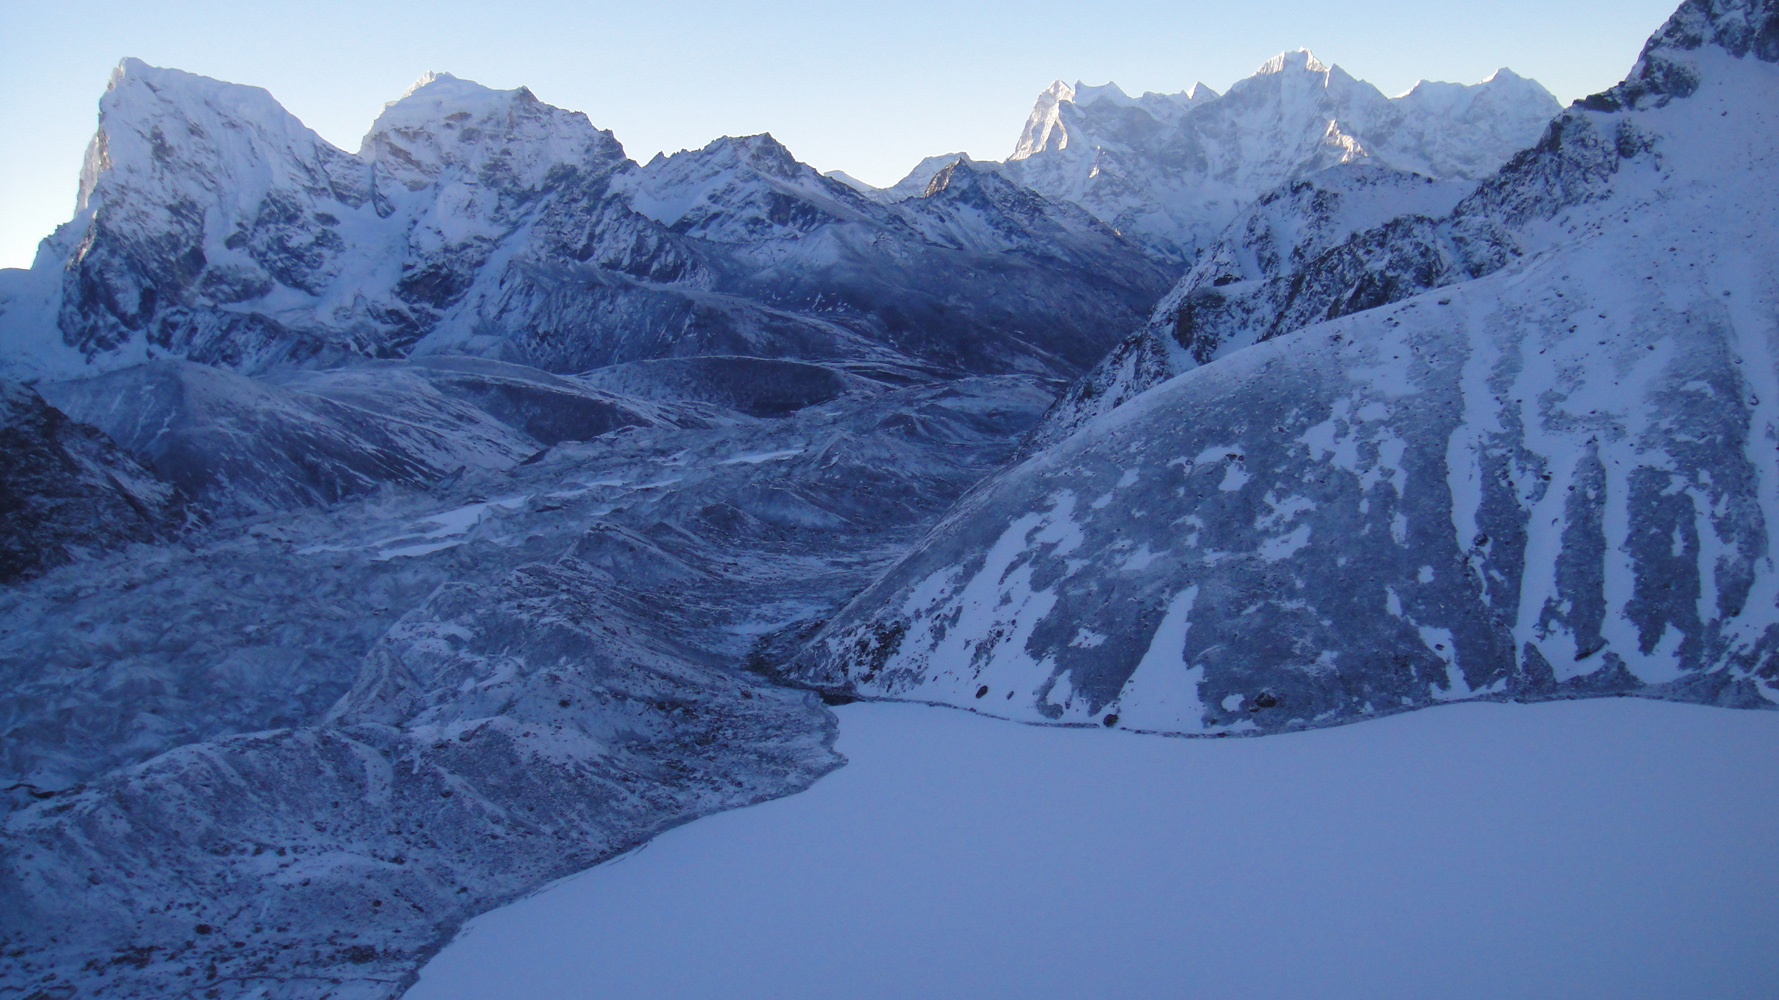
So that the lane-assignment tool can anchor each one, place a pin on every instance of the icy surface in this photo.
(1586, 850)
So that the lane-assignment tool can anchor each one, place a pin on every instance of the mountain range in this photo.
(1171, 171)
(214, 227)
(391, 533)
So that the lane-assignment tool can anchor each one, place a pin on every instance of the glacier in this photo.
(293, 751)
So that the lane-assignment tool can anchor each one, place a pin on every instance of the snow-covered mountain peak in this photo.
(1433, 94)
(959, 175)
(1738, 26)
(760, 152)
(1043, 127)
(1110, 92)
(971, 204)
(739, 189)
(1298, 61)
(437, 81)
(167, 123)
(758, 157)
(914, 184)
(1505, 80)
(756, 154)
(1440, 97)
(507, 137)
(1301, 77)
(1170, 170)
(487, 222)
(1063, 109)
(132, 78)
(1196, 94)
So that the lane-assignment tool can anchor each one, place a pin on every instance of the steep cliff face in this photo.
(66, 490)
(144, 251)
(213, 226)
(1552, 481)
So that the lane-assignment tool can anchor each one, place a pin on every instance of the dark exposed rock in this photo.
(67, 490)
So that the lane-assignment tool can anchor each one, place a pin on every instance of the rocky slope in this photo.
(245, 446)
(66, 490)
(1555, 480)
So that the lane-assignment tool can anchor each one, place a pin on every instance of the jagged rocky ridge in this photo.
(1349, 238)
(1555, 480)
(212, 226)
(1171, 170)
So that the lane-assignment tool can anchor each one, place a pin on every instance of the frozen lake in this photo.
(1616, 848)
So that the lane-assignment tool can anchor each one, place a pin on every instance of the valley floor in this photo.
(1611, 848)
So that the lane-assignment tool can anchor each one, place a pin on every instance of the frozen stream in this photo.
(1614, 848)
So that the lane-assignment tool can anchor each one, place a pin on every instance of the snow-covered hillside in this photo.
(1286, 262)
(1552, 481)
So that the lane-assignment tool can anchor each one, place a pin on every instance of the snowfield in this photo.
(1613, 848)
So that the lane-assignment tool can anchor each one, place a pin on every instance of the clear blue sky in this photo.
(867, 86)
